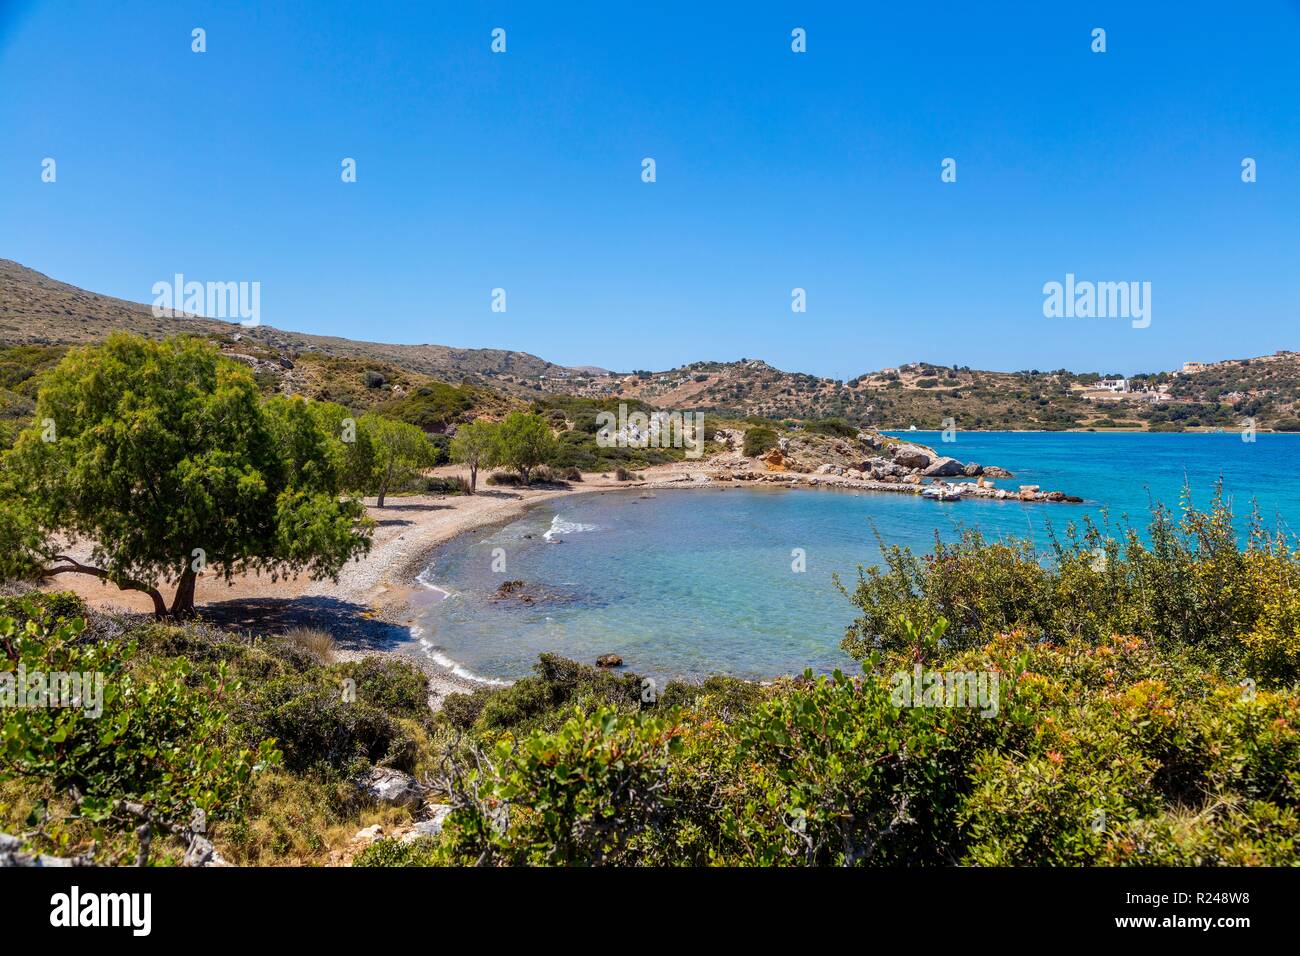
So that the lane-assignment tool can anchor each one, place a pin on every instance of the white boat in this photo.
(943, 492)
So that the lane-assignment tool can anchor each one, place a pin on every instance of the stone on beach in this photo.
(911, 456)
(945, 468)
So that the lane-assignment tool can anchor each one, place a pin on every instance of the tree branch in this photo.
(75, 566)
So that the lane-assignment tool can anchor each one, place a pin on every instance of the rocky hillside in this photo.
(1220, 395)
(40, 311)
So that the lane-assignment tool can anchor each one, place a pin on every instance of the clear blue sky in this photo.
(775, 170)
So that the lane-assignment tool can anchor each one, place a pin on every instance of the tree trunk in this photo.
(383, 485)
(183, 602)
(73, 565)
(473, 478)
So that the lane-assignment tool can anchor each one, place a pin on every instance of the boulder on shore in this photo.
(910, 456)
(945, 468)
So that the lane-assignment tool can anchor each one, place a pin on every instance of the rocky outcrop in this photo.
(912, 456)
(945, 468)
(431, 826)
(393, 787)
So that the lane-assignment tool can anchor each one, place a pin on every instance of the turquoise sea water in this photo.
(693, 582)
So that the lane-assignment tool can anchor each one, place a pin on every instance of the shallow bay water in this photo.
(690, 582)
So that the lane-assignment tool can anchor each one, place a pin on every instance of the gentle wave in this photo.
(560, 526)
(424, 582)
(435, 655)
(445, 662)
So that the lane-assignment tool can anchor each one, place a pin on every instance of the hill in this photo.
(44, 315)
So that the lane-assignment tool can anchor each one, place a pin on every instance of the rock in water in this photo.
(609, 660)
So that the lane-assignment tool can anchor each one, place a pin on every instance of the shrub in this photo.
(1188, 585)
(156, 743)
(758, 440)
(316, 729)
(434, 485)
(837, 427)
(393, 685)
(421, 852)
(586, 794)
(315, 642)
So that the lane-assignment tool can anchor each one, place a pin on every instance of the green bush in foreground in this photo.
(135, 745)
(1145, 712)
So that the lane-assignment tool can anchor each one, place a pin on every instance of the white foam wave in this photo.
(442, 660)
(424, 582)
(560, 526)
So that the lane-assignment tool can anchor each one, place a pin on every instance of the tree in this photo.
(352, 446)
(524, 441)
(475, 445)
(164, 457)
(401, 451)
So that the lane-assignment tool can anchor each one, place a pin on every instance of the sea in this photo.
(685, 583)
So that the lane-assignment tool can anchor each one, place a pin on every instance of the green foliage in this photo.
(402, 451)
(162, 448)
(836, 427)
(148, 737)
(585, 794)
(431, 407)
(47, 610)
(1187, 585)
(524, 441)
(421, 852)
(350, 445)
(758, 440)
(476, 445)
(535, 701)
(316, 729)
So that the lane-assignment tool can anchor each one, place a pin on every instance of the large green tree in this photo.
(163, 457)
(524, 441)
(401, 452)
(475, 445)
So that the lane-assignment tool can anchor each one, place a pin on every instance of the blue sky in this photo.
(775, 170)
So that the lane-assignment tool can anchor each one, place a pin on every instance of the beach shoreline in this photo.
(375, 605)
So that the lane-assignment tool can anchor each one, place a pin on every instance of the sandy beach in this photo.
(371, 608)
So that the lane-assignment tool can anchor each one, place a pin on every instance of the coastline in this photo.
(374, 607)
